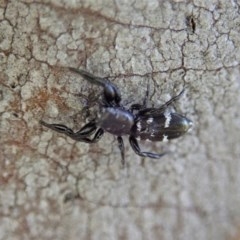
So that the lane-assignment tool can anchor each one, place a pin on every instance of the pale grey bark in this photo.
(54, 188)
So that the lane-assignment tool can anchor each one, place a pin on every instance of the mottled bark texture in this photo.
(54, 188)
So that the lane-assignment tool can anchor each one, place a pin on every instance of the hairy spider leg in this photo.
(122, 149)
(112, 96)
(81, 135)
(137, 150)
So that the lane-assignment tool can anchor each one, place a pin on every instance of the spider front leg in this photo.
(112, 95)
(90, 77)
(81, 135)
(137, 150)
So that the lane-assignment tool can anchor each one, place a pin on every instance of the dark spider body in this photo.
(116, 121)
(139, 122)
(161, 127)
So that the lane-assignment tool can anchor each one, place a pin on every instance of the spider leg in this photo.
(81, 135)
(137, 150)
(137, 106)
(145, 100)
(172, 100)
(87, 129)
(98, 135)
(112, 96)
(121, 147)
(89, 77)
(156, 111)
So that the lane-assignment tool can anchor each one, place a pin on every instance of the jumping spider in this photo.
(139, 121)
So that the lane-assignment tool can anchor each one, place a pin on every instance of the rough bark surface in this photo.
(54, 188)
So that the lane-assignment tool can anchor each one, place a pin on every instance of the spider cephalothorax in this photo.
(139, 121)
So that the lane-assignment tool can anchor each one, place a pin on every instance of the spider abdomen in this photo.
(162, 127)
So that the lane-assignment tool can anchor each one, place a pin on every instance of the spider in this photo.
(139, 121)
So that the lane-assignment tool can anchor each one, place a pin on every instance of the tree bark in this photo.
(52, 187)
